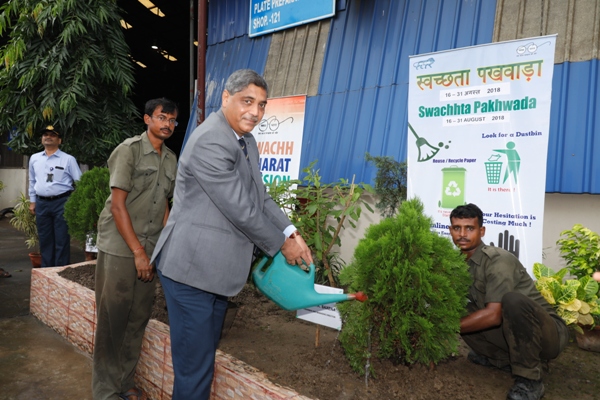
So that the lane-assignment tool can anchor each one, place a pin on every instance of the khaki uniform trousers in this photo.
(123, 307)
(527, 336)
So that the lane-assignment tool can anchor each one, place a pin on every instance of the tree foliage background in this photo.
(390, 183)
(66, 64)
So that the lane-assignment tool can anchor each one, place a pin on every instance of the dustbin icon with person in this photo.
(513, 161)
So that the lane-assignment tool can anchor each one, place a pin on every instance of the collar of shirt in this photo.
(57, 153)
(148, 148)
(146, 145)
(237, 137)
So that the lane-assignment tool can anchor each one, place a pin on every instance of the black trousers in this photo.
(55, 242)
(527, 336)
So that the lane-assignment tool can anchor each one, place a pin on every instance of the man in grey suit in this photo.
(221, 211)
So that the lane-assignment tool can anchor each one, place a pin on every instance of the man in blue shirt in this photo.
(52, 174)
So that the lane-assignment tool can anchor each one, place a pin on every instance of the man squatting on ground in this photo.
(221, 212)
(52, 176)
(510, 325)
(142, 179)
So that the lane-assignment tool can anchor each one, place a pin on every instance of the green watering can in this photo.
(292, 288)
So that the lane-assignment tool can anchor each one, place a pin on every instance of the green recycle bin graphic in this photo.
(453, 187)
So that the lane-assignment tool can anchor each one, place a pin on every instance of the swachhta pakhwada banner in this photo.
(279, 138)
(478, 125)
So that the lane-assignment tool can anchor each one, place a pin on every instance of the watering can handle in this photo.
(311, 271)
(258, 270)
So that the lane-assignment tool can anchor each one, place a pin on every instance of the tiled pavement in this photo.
(36, 363)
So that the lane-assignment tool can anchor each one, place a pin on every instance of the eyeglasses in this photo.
(162, 118)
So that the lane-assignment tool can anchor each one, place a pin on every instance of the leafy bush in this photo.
(320, 211)
(417, 284)
(86, 203)
(575, 300)
(580, 247)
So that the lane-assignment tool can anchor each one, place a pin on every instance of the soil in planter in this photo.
(283, 347)
(85, 275)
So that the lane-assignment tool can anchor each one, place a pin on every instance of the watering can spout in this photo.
(292, 288)
(360, 296)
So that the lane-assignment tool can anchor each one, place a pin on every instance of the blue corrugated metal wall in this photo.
(227, 19)
(224, 58)
(362, 100)
(361, 104)
(574, 129)
(229, 47)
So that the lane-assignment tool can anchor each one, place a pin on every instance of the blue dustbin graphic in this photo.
(453, 187)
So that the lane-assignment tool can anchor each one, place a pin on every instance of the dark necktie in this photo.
(243, 144)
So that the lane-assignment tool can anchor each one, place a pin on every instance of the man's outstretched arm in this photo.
(489, 317)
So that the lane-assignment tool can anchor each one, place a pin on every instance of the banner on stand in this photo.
(279, 138)
(478, 125)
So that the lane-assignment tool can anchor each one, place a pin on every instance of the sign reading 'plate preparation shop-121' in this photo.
(268, 16)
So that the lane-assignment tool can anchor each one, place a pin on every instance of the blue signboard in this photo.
(268, 16)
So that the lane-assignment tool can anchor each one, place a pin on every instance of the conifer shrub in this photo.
(417, 284)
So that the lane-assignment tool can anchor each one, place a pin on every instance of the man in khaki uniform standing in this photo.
(142, 179)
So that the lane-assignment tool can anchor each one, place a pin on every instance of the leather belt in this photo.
(60, 196)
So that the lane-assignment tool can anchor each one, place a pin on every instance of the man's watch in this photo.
(294, 234)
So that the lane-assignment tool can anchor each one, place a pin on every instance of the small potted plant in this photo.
(85, 205)
(24, 221)
(580, 247)
(575, 301)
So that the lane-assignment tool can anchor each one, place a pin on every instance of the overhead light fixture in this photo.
(166, 55)
(125, 24)
(141, 64)
(152, 7)
(163, 52)
(196, 43)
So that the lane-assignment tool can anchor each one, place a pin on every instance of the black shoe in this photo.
(482, 360)
(526, 389)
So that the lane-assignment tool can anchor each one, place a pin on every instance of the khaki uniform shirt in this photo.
(496, 272)
(149, 180)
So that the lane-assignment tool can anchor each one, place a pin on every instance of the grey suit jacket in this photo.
(221, 209)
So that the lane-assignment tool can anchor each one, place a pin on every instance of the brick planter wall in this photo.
(70, 309)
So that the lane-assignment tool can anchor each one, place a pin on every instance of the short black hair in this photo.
(168, 106)
(467, 211)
